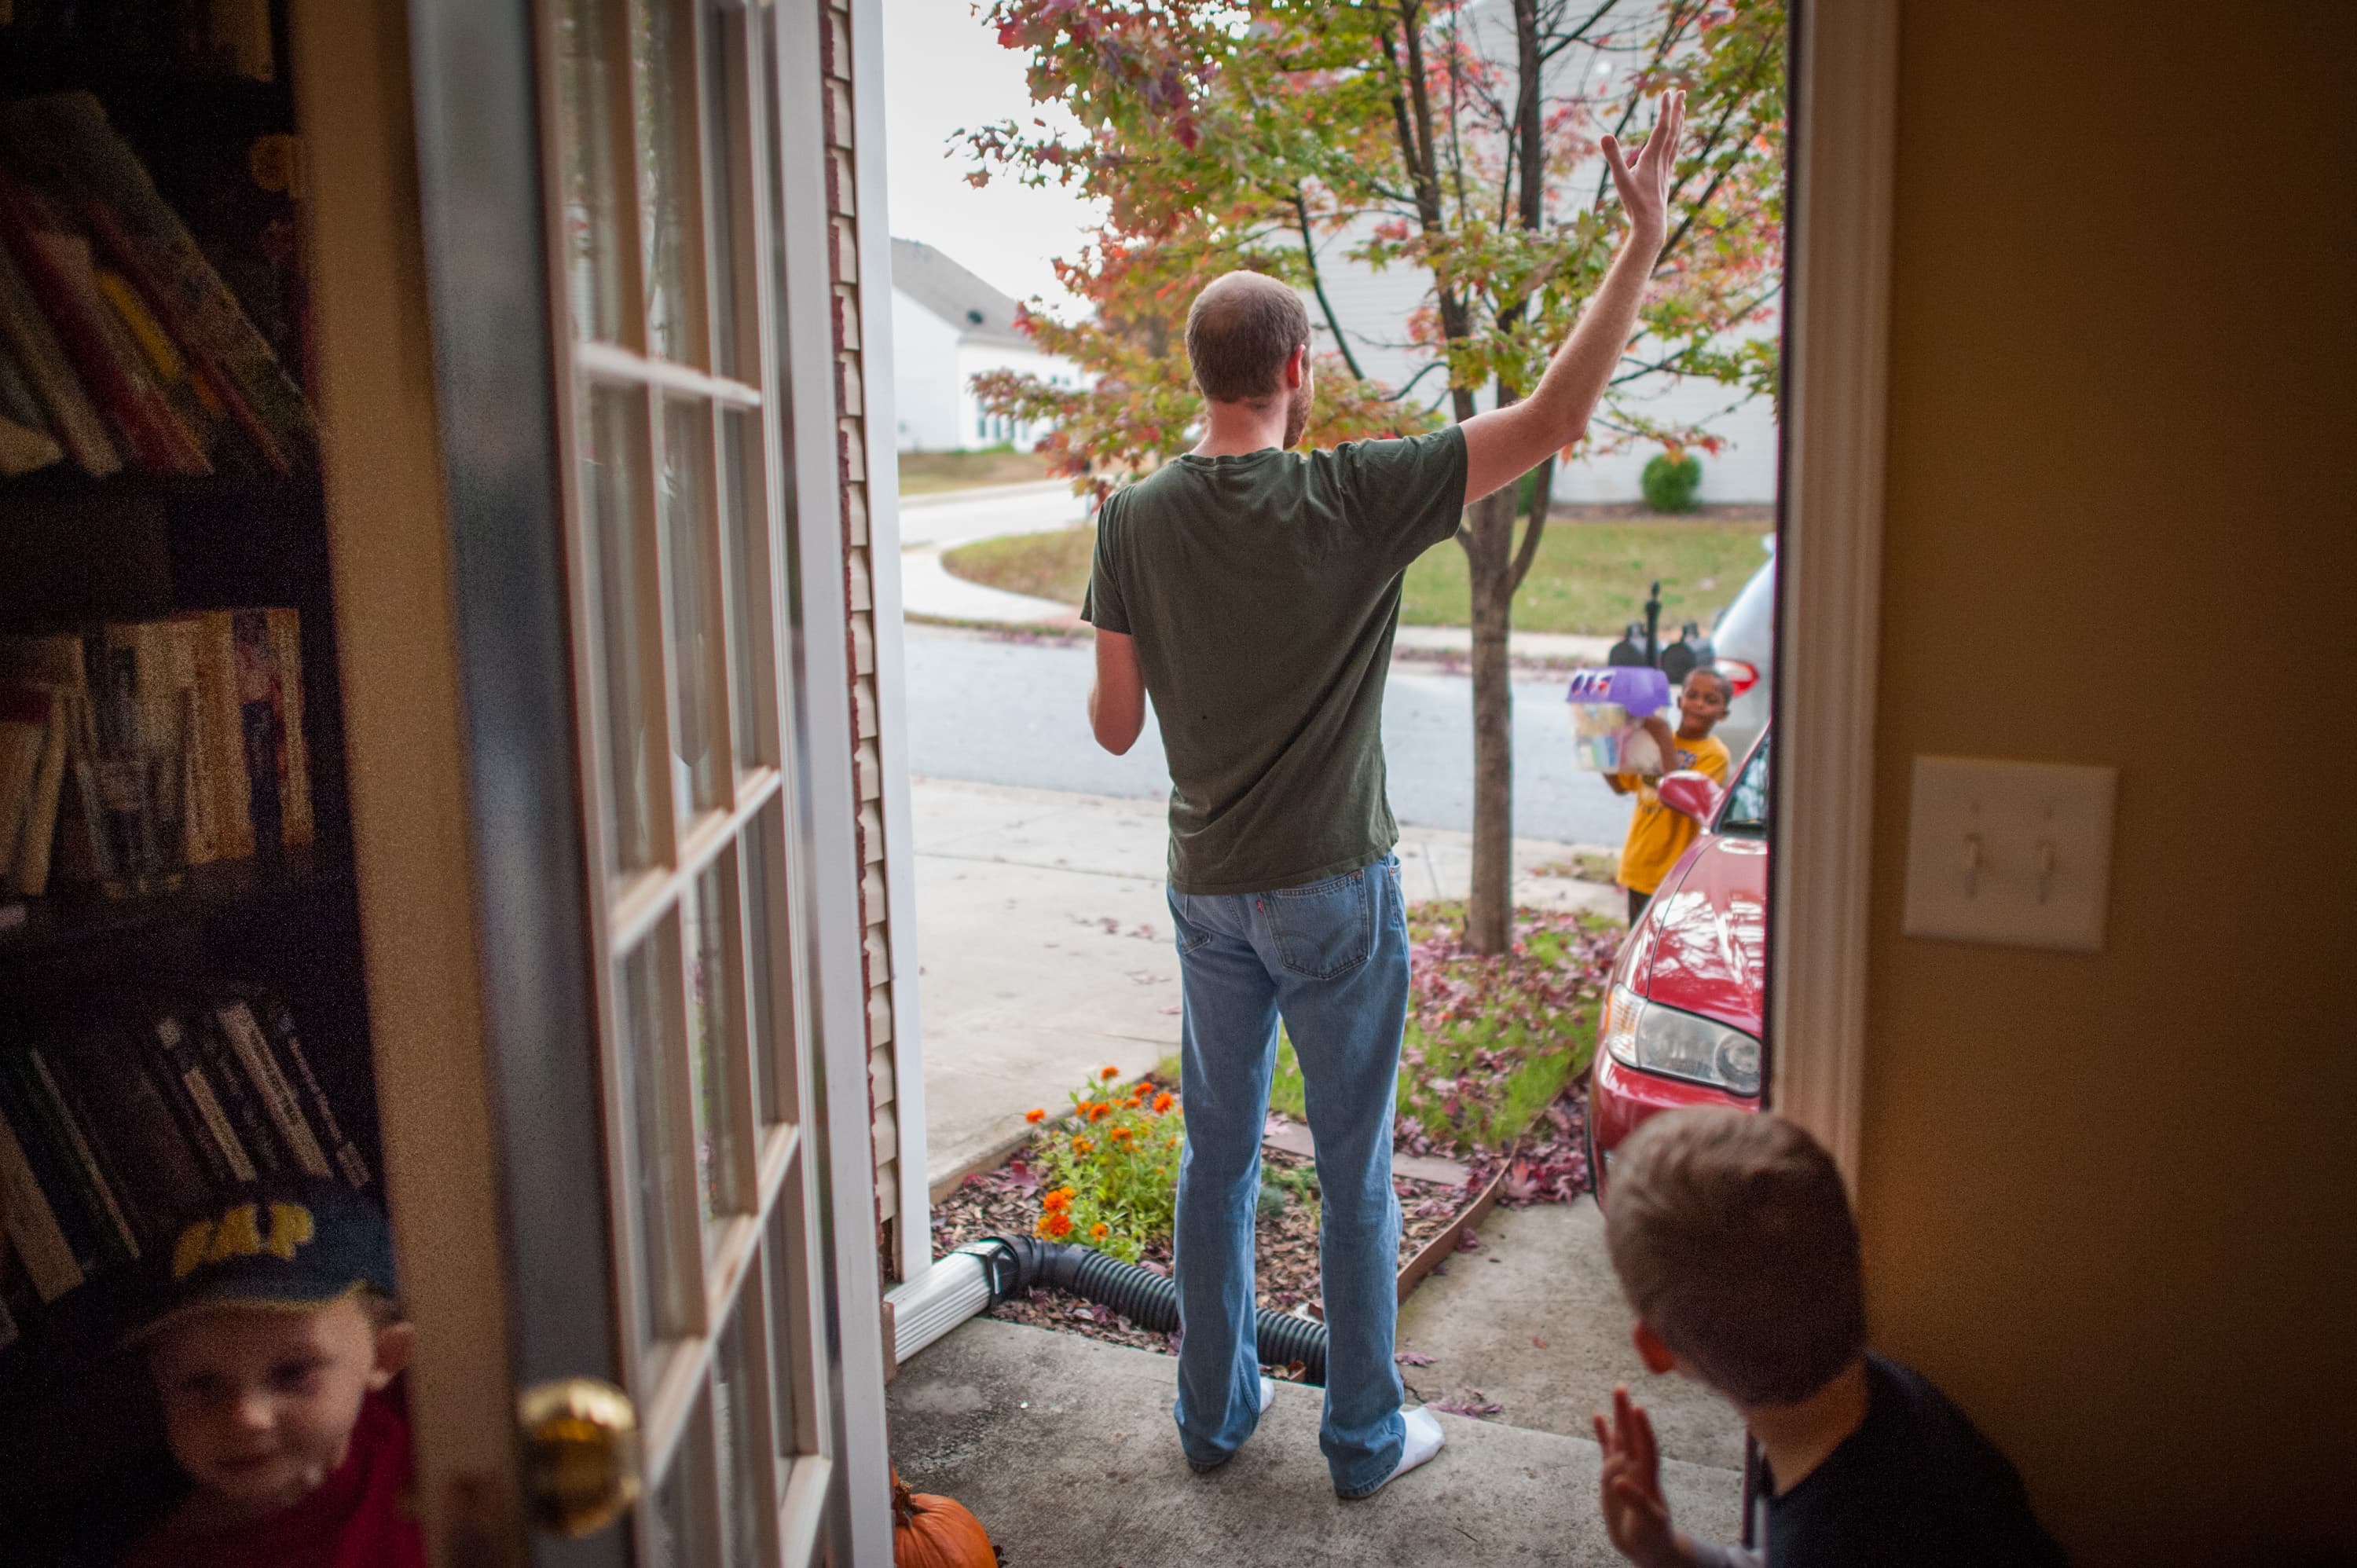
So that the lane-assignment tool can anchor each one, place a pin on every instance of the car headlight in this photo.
(1655, 1038)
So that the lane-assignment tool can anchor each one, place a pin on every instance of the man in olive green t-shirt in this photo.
(1253, 592)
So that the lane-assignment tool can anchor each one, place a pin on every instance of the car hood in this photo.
(1705, 948)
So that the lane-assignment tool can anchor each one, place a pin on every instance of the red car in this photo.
(1683, 1014)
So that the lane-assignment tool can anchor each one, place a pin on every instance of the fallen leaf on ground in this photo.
(1411, 1358)
(1470, 1402)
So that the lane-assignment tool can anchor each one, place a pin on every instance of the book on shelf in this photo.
(26, 443)
(235, 1094)
(54, 1171)
(195, 1105)
(145, 322)
(48, 376)
(34, 1233)
(229, 681)
(24, 733)
(36, 741)
(116, 1125)
(56, 261)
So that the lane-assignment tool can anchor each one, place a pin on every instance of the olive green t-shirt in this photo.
(1262, 590)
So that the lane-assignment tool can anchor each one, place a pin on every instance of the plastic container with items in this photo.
(1608, 708)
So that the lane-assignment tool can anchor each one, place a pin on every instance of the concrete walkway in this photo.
(930, 592)
(1534, 1319)
(1063, 1446)
(1045, 951)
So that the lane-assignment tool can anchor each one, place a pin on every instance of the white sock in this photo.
(1267, 1394)
(1422, 1441)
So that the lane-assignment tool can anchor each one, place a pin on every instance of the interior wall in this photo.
(2107, 1199)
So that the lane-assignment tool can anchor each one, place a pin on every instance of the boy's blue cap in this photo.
(291, 1245)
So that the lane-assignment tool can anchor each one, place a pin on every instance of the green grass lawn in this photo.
(1045, 565)
(1592, 576)
(928, 473)
(1589, 577)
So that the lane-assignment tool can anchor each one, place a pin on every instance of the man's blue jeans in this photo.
(1330, 958)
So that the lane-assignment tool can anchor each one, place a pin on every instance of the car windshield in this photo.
(1746, 815)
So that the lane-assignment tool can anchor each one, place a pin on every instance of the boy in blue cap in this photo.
(273, 1338)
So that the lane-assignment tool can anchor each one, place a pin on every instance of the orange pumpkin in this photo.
(935, 1533)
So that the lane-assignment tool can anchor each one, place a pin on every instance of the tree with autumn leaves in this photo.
(1459, 140)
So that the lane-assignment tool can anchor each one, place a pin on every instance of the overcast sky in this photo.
(943, 70)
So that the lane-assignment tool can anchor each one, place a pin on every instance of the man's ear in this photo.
(1658, 1357)
(1296, 368)
(396, 1343)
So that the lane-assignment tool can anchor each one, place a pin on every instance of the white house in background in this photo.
(948, 326)
(1374, 306)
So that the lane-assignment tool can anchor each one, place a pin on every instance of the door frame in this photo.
(1829, 573)
(822, 644)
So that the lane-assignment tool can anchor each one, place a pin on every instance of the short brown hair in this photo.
(1240, 330)
(1732, 1236)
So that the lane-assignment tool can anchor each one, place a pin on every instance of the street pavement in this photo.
(1044, 953)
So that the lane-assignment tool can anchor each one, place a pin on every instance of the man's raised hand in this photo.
(1644, 181)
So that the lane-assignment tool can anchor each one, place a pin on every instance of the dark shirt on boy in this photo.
(1915, 1484)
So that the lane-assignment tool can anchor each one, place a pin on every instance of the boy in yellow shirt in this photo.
(1658, 835)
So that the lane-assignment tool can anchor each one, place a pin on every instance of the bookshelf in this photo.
(82, 972)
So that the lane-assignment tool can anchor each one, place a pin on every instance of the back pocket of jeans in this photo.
(1326, 929)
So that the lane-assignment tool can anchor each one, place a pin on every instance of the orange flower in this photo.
(1122, 1135)
(1133, 1101)
(1055, 1225)
(1098, 1110)
(1082, 1146)
(1100, 1230)
(1061, 1198)
(1163, 1102)
(1035, 1117)
(1110, 1073)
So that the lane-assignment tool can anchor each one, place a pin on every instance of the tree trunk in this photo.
(1488, 540)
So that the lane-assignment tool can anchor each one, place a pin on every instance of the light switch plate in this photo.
(2013, 853)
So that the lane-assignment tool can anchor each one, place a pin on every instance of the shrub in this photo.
(1110, 1171)
(1671, 480)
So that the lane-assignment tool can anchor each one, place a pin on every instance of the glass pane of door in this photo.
(655, 1144)
(716, 1043)
(613, 467)
(695, 629)
(667, 207)
(591, 243)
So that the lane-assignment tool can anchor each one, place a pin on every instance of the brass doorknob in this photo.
(581, 1454)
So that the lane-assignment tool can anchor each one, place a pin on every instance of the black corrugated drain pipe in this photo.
(983, 1274)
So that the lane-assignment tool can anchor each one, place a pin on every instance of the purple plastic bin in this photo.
(1639, 689)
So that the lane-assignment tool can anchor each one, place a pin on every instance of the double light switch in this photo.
(2014, 853)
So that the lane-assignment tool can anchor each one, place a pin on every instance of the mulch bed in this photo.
(1549, 1166)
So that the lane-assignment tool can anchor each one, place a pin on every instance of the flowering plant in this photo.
(1110, 1170)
